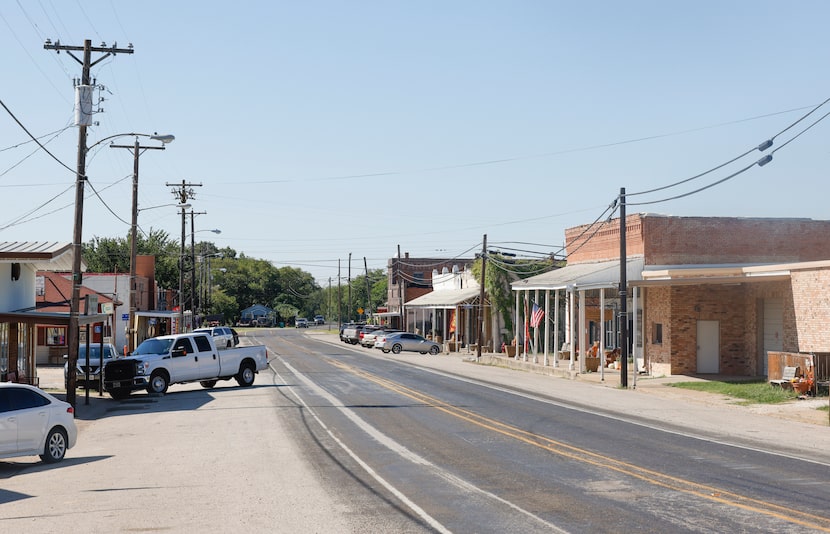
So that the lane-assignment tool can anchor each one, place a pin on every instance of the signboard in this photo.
(107, 307)
(125, 316)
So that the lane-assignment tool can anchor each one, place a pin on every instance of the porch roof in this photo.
(43, 255)
(603, 274)
(51, 318)
(446, 299)
(676, 275)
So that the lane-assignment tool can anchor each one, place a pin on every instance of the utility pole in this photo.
(481, 297)
(84, 119)
(623, 297)
(350, 287)
(137, 151)
(400, 290)
(339, 298)
(193, 259)
(183, 192)
(368, 294)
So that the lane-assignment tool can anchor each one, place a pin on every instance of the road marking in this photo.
(402, 451)
(650, 476)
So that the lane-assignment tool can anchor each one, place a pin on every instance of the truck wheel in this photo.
(207, 384)
(396, 348)
(120, 393)
(158, 383)
(434, 350)
(245, 377)
(55, 447)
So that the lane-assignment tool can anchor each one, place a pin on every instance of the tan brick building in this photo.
(707, 294)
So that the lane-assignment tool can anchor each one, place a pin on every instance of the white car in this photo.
(222, 336)
(33, 422)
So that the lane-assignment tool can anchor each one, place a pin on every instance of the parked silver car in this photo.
(404, 341)
(34, 422)
(369, 338)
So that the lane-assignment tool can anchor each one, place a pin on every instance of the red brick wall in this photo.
(667, 240)
(811, 304)
(657, 305)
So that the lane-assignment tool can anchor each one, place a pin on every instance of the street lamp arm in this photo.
(163, 138)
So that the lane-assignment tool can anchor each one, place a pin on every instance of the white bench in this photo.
(786, 378)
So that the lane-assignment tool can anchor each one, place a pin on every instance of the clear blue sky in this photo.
(324, 128)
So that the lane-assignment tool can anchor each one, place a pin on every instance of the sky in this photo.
(323, 129)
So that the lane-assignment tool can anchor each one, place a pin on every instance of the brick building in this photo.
(706, 295)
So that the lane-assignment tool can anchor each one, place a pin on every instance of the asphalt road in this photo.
(343, 439)
(461, 455)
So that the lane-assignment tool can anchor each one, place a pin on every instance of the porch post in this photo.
(516, 324)
(570, 332)
(635, 330)
(583, 334)
(602, 335)
(547, 325)
(556, 345)
(536, 331)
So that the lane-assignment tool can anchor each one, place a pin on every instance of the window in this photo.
(183, 344)
(16, 398)
(203, 343)
(657, 333)
(56, 336)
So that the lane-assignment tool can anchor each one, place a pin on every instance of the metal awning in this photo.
(603, 274)
(444, 299)
(51, 318)
(41, 255)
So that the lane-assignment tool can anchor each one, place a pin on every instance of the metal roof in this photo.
(584, 276)
(448, 298)
(43, 255)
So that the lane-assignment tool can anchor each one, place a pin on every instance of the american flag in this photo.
(536, 316)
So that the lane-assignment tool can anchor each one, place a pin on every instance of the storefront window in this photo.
(56, 336)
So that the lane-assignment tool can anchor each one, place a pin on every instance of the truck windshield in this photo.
(153, 346)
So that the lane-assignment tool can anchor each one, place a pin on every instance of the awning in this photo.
(51, 318)
(42, 255)
(603, 274)
(444, 299)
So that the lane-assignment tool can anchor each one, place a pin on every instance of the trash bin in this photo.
(282, 324)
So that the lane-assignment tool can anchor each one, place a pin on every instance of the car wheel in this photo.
(207, 384)
(55, 447)
(385, 351)
(396, 348)
(120, 393)
(423, 352)
(434, 350)
(158, 383)
(245, 378)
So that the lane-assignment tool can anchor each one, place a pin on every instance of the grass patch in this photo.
(752, 392)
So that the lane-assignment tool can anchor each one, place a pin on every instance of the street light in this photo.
(136, 147)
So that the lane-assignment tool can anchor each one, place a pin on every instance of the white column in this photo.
(635, 331)
(536, 332)
(547, 325)
(556, 345)
(516, 323)
(570, 330)
(583, 334)
(602, 335)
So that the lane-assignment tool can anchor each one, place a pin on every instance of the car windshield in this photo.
(153, 346)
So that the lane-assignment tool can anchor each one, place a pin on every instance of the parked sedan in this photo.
(34, 422)
(369, 338)
(400, 341)
(94, 364)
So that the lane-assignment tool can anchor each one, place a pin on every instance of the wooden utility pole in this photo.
(481, 297)
(623, 297)
(80, 181)
(183, 192)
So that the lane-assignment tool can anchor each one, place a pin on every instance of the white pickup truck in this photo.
(176, 359)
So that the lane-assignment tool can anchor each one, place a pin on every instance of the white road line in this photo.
(401, 451)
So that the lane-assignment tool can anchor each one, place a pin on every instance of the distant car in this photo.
(245, 322)
(33, 422)
(319, 320)
(404, 341)
(222, 336)
(94, 364)
(301, 322)
(369, 338)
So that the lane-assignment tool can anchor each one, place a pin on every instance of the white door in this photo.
(773, 328)
(708, 343)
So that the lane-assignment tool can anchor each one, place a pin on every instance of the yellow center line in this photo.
(649, 476)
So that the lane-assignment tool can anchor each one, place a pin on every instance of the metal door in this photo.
(708, 345)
